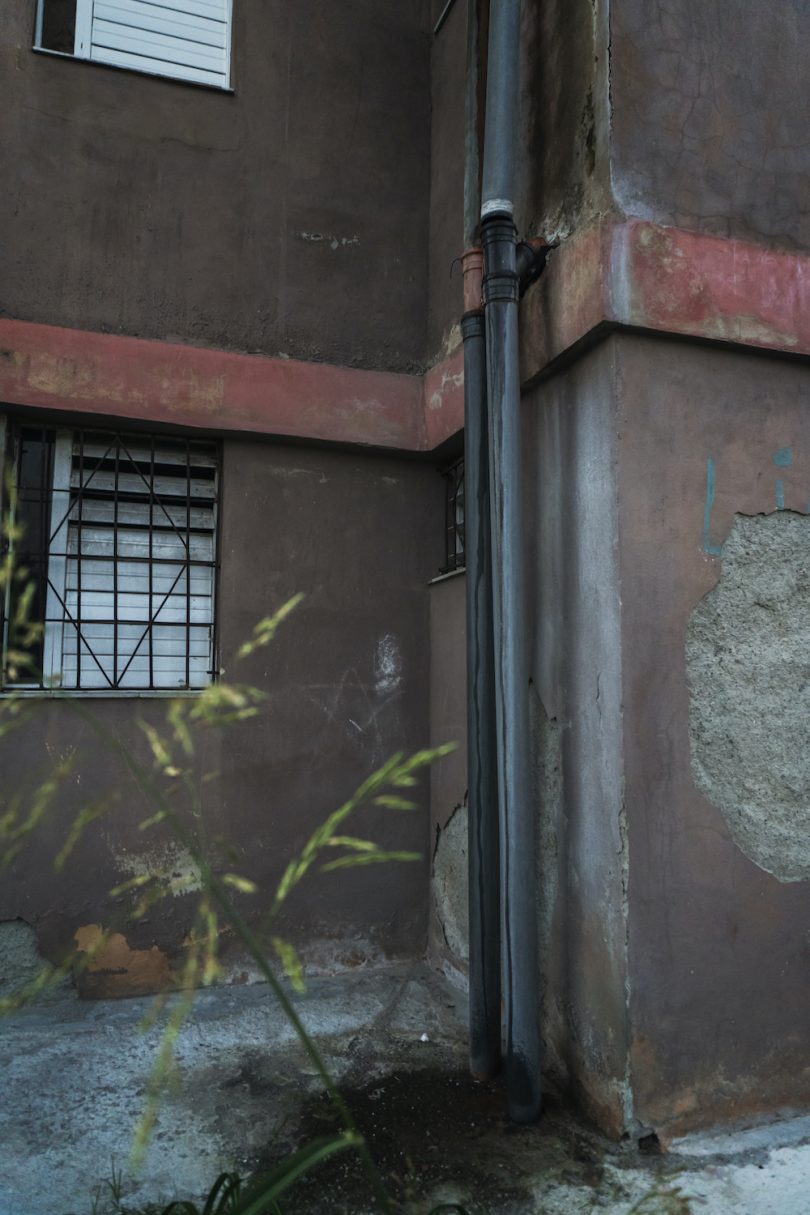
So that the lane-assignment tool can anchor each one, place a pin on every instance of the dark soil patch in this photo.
(435, 1132)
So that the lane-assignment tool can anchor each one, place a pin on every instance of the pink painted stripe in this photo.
(713, 287)
(444, 400)
(67, 369)
(643, 275)
(626, 272)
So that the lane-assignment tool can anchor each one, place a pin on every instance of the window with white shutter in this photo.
(113, 537)
(186, 39)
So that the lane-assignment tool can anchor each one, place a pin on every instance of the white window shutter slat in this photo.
(57, 558)
(185, 39)
(84, 24)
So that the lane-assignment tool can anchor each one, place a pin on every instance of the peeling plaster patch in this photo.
(450, 383)
(387, 664)
(117, 970)
(451, 883)
(169, 861)
(20, 959)
(323, 238)
(283, 473)
(748, 666)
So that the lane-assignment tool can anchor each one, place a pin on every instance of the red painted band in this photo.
(642, 275)
(149, 381)
(624, 272)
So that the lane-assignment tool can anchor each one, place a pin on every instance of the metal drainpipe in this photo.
(482, 764)
(501, 294)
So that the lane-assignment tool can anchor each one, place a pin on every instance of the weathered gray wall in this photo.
(447, 84)
(564, 169)
(709, 123)
(576, 672)
(347, 681)
(289, 218)
(712, 442)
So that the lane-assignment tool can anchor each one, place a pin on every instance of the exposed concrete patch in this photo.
(764, 1136)
(748, 666)
(325, 238)
(451, 883)
(387, 664)
(75, 1073)
(19, 958)
(74, 1078)
(170, 861)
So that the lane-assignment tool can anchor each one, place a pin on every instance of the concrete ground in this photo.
(75, 1075)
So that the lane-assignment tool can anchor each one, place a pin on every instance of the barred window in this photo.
(113, 540)
(453, 517)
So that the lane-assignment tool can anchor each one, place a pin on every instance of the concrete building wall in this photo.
(708, 116)
(565, 116)
(576, 698)
(715, 553)
(447, 85)
(347, 686)
(449, 929)
(288, 218)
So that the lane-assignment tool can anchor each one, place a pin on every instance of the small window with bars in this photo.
(112, 538)
(453, 517)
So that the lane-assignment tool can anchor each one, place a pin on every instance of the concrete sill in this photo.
(447, 576)
(132, 71)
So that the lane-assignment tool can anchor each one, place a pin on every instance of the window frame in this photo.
(84, 9)
(65, 435)
(455, 551)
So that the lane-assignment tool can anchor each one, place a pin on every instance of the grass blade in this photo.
(267, 1189)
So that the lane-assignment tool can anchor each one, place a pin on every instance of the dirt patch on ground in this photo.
(439, 1135)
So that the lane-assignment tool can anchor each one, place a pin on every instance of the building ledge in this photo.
(615, 272)
(639, 275)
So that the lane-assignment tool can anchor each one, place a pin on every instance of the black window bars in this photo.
(118, 534)
(453, 517)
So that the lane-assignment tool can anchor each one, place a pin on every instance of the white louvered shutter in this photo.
(188, 39)
(137, 555)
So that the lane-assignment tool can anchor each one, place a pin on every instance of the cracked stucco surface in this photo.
(748, 665)
(451, 883)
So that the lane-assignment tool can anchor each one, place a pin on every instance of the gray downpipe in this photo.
(472, 167)
(482, 764)
(482, 778)
(501, 295)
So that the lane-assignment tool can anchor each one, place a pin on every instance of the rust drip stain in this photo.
(118, 970)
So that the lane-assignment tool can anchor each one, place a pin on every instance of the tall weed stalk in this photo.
(171, 790)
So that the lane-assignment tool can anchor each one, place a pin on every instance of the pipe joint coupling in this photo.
(502, 286)
(472, 324)
(498, 229)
